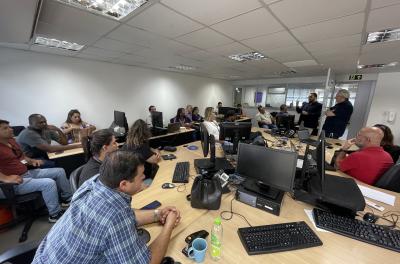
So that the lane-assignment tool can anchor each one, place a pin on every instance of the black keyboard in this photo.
(367, 232)
(181, 173)
(276, 238)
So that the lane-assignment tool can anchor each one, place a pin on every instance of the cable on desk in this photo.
(232, 213)
(394, 217)
(179, 188)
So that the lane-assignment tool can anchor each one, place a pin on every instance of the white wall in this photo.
(52, 85)
(386, 98)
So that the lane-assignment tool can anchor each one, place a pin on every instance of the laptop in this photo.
(304, 137)
(174, 127)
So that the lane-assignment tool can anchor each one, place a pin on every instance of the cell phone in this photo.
(153, 205)
(168, 157)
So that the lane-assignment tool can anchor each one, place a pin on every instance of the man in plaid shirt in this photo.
(100, 225)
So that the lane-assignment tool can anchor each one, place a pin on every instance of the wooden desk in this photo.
(243, 119)
(336, 248)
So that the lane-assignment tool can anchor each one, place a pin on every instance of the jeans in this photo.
(47, 181)
(270, 126)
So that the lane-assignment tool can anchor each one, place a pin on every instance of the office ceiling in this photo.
(203, 33)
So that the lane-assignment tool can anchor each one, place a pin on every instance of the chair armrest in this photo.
(8, 189)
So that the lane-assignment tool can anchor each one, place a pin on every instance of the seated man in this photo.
(370, 162)
(100, 225)
(230, 116)
(35, 140)
(264, 119)
(14, 170)
(152, 108)
(283, 111)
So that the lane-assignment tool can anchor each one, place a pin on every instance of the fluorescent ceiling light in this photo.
(247, 56)
(301, 63)
(183, 67)
(383, 35)
(55, 43)
(378, 65)
(111, 8)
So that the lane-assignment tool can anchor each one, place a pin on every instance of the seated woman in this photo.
(74, 127)
(196, 117)
(387, 142)
(137, 141)
(181, 118)
(96, 147)
(210, 123)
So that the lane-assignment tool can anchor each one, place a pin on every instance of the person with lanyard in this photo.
(96, 147)
(338, 116)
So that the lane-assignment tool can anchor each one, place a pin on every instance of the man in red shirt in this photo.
(13, 169)
(370, 162)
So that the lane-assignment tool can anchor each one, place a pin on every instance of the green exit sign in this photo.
(355, 77)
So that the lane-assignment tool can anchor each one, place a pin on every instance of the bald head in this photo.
(369, 137)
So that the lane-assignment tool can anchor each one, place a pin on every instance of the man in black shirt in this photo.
(339, 115)
(310, 112)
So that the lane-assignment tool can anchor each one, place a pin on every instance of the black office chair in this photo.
(74, 178)
(390, 180)
(17, 130)
(27, 207)
(20, 254)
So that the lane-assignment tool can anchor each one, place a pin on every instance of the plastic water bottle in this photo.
(216, 239)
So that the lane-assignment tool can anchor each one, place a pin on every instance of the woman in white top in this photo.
(210, 123)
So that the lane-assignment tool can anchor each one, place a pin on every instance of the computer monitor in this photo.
(285, 122)
(223, 110)
(235, 132)
(157, 119)
(267, 171)
(120, 120)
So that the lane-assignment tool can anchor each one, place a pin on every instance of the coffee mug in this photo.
(198, 250)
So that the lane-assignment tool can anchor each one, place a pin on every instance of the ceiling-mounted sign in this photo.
(355, 77)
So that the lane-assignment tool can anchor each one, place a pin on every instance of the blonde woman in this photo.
(210, 123)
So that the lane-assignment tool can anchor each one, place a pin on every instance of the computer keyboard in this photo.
(367, 232)
(181, 173)
(276, 238)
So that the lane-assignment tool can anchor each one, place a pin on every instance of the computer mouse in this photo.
(338, 144)
(329, 147)
(370, 218)
(168, 185)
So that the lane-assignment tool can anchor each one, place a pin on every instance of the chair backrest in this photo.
(22, 253)
(390, 180)
(74, 178)
(17, 130)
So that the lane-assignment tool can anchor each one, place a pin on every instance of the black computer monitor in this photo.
(285, 122)
(157, 119)
(235, 132)
(267, 171)
(223, 110)
(120, 120)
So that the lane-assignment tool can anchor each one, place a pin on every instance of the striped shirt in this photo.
(98, 227)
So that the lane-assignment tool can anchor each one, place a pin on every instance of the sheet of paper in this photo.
(377, 195)
(299, 163)
(311, 217)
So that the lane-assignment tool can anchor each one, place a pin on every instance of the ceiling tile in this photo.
(383, 3)
(199, 55)
(133, 35)
(15, 45)
(101, 52)
(287, 54)
(344, 51)
(106, 43)
(205, 38)
(380, 53)
(163, 21)
(336, 44)
(295, 13)
(230, 49)
(210, 11)
(131, 60)
(383, 18)
(256, 23)
(94, 57)
(272, 41)
(345, 26)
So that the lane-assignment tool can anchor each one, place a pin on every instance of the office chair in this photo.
(20, 254)
(74, 178)
(24, 207)
(17, 130)
(390, 180)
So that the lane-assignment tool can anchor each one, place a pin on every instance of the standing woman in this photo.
(74, 127)
(137, 141)
(96, 147)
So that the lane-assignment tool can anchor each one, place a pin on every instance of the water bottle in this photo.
(216, 239)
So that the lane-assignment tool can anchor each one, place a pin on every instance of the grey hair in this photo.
(344, 93)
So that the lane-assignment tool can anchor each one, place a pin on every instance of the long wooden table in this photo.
(335, 249)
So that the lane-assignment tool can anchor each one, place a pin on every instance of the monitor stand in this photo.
(158, 131)
(261, 189)
(209, 167)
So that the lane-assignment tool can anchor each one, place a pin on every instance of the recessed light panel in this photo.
(183, 67)
(247, 56)
(111, 8)
(378, 65)
(384, 35)
(55, 43)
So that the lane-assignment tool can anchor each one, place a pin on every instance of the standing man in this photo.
(152, 108)
(339, 115)
(310, 112)
(35, 140)
(100, 225)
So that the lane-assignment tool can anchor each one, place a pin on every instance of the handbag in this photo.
(206, 193)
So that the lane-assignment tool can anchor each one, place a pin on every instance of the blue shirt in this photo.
(98, 227)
